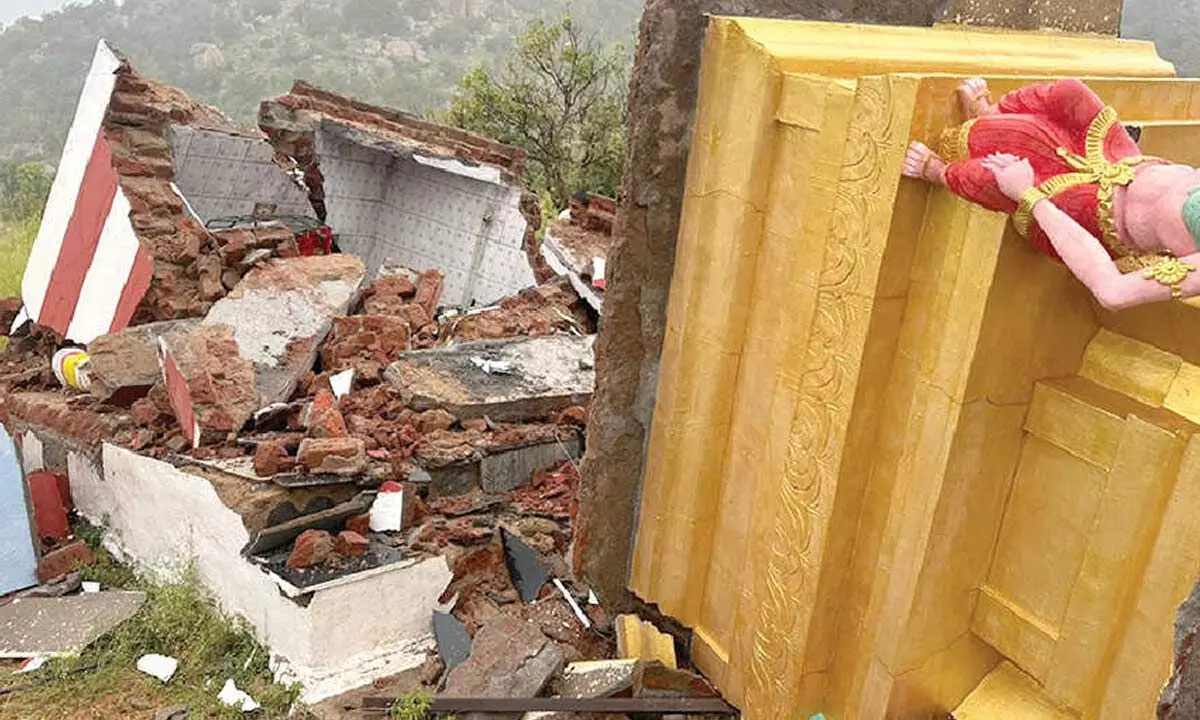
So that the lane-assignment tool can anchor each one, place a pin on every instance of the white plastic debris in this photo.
(19, 321)
(583, 618)
(230, 695)
(159, 666)
(494, 367)
(32, 664)
(592, 599)
(90, 587)
(342, 383)
(599, 265)
(387, 512)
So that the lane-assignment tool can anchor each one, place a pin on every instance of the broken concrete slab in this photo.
(62, 626)
(511, 658)
(124, 366)
(282, 311)
(529, 378)
(577, 245)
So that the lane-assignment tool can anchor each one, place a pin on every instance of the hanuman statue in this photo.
(1057, 159)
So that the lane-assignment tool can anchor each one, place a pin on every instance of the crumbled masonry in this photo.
(464, 375)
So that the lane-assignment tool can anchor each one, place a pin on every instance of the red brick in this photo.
(429, 291)
(360, 524)
(66, 559)
(350, 544)
(339, 456)
(312, 548)
(434, 420)
(271, 458)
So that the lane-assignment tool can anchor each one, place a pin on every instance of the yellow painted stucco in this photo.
(896, 451)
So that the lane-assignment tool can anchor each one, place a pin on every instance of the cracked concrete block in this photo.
(507, 381)
(282, 311)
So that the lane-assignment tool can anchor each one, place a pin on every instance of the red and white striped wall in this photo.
(87, 271)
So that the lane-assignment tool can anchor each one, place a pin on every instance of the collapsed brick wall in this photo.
(192, 268)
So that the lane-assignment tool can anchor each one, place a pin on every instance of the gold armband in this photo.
(1023, 217)
(1169, 271)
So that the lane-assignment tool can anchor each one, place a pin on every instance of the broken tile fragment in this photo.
(454, 645)
(641, 640)
(282, 311)
(528, 572)
(510, 658)
(546, 378)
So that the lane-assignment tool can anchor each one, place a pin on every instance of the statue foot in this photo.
(922, 163)
(975, 98)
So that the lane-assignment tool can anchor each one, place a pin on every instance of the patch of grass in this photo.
(413, 706)
(15, 243)
(180, 620)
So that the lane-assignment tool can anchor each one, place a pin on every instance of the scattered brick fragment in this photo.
(337, 456)
(323, 418)
(271, 458)
(350, 544)
(360, 524)
(312, 548)
(66, 559)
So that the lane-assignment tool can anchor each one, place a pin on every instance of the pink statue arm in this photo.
(1087, 260)
(1082, 252)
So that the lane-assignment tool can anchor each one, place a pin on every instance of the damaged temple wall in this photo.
(662, 100)
(386, 207)
(223, 175)
(348, 635)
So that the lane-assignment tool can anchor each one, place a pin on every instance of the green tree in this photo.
(561, 96)
(23, 190)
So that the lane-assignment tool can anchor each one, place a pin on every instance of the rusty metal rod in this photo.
(660, 706)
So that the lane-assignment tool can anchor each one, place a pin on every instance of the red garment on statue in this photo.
(1033, 123)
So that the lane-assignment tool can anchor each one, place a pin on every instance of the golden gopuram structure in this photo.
(902, 465)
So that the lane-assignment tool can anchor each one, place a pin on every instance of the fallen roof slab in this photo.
(506, 381)
(64, 625)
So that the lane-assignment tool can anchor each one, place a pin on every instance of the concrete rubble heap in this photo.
(369, 419)
(578, 243)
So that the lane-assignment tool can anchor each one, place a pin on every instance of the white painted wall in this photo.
(427, 214)
(18, 563)
(162, 519)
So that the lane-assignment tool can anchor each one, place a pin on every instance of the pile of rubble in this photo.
(343, 326)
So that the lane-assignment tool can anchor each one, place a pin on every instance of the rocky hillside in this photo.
(233, 53)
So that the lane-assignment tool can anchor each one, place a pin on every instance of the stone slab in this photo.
(508, 470)
(511, 658)
(282, 311)
(62, 626)
(528, 380)
(125, 365)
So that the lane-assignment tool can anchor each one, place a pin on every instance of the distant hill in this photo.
(233, 53)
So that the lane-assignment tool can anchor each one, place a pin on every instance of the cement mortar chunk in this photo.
(164, 521)
(528, 380)
(282, 311)
(600, 678)
(124, 366)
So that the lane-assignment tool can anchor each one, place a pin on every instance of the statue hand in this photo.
(1014, 175)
